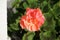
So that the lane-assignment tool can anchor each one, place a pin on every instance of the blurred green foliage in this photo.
(28, 36)
(51, 10)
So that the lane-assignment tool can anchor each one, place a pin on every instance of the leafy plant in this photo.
(50, 29)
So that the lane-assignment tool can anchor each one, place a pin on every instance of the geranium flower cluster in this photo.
(32, 20)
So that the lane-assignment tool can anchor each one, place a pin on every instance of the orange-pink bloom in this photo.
(33, 19)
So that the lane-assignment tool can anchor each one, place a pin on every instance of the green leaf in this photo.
(44, 3)
(25, 5)
(56, 9)
(28, 36)
(48, 35)
(31, 1)
(45, 35)
(18, 20)
(9, 29)
(14, 26)
(50, 23)
(16, 3)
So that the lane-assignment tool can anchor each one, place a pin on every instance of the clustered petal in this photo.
(32, 20)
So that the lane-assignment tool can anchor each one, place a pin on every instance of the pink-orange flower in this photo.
(33, 19)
